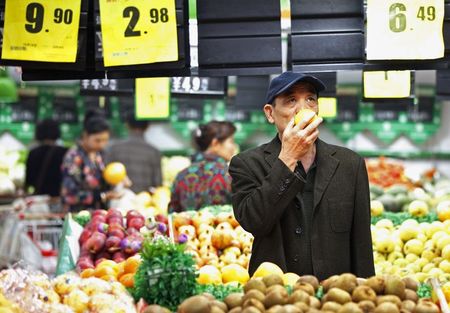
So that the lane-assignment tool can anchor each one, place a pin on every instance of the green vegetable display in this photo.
(220, 292)
(166, 275)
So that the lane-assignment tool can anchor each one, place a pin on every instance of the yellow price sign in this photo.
(405, 29)
(38, 30)
(390, 84)
(327, 107)
(152, 98)
(138, 32)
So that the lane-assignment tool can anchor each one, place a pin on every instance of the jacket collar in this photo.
(272, 150)
(326, 167)
(325, 161)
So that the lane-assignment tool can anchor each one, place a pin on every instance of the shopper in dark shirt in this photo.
(43, 170)
(141, 159)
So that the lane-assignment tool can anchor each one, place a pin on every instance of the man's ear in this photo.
(268, 111)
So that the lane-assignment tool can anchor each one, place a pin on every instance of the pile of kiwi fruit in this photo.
(378, 294)
(342, 294)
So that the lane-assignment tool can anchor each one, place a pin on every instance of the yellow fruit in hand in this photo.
(267, 268)
(304, 114)
(209, 274)
(234, 272)
(289, 279)
(114, 173)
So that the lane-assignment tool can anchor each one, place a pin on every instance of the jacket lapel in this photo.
(272, 150)
(326, 167)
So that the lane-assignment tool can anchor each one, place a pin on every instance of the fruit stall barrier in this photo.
(212, 252)
(165, 281)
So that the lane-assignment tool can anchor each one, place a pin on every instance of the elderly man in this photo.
(306, 202)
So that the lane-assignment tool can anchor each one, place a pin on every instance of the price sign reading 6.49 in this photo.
(138, 32)
(405, 29)
(38, 30)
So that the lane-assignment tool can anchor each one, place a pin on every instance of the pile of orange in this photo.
(111, 271)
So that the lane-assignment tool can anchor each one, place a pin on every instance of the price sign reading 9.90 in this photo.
(138, 32)
(405, 29)
(41, 30)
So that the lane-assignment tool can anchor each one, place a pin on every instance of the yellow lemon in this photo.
(267, 268)
(234, 273)
(209, 274)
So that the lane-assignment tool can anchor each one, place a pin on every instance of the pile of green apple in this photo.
(422, 200)
(419, 250)
(416, 208)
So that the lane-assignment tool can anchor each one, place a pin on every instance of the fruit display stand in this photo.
(220, 246)
(164, 277)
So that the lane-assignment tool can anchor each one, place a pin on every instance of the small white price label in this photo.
(389, 84)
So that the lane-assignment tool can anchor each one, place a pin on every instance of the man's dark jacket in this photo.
(264, 202)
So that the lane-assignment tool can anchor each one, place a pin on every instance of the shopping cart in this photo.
(31, 238)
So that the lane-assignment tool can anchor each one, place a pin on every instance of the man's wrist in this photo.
(289, 162)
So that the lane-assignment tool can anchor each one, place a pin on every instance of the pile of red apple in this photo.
(213, 239)
(108, 237)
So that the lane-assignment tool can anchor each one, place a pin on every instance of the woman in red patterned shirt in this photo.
(206, 181)
(83, 186)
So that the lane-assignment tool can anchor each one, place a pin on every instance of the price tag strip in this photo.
(138, 32)
(389, 84)
(327, 107)
(38, 30)
(405, 29)
(152, 98)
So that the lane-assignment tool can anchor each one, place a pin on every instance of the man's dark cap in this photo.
(282, 83)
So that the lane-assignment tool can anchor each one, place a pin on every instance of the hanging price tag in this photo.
(152, 98)
(405, 29)
(138, 32)
(37, 30)
(390, 84)
(327, 107)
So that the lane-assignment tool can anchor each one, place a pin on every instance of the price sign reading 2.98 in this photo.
(405, 29)
(37, 30)
(138, 32)
(133, 13)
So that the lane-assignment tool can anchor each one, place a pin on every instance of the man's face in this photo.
(300, 96)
